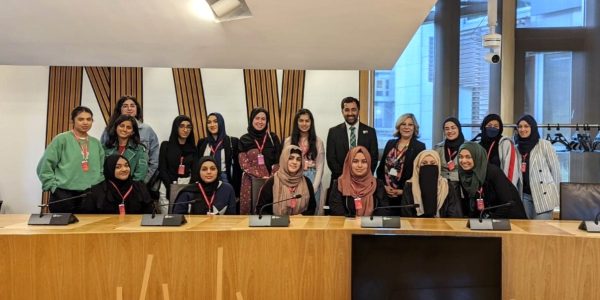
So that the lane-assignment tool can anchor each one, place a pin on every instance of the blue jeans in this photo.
(530, 209)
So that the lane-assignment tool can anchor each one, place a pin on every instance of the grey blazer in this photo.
(544, 176)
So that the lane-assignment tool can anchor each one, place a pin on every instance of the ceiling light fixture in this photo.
(229, 10)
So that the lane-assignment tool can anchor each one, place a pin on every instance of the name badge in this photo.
(261, 160)
(85, 166)
(480, 204)
(181, 170)
(121, 209)
(451, 165)
(358, 203)
(523, 167)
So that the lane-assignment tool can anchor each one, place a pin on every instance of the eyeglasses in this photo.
(182, 126)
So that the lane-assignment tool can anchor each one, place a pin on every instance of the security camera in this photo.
(492, 57)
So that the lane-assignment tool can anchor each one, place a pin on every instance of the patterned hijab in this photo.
(286, 185)
(358, 186)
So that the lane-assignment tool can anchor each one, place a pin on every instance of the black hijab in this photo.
(526, 144)
(209, 188)
(453, 144)
(247, 140)
(189, 146)
(487, 141)
(110, 164)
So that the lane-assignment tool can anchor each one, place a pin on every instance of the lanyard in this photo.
(181, 161)
(261, 147)
(84, 147)
(525, 156)
(123, 197)
(212, 198)
(480, 191)
(490, 150)
(214, 150)
(450, 155)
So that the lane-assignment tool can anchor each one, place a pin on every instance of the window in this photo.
(553, 13)
(407, 88)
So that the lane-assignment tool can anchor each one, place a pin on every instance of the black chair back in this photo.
(579, 201)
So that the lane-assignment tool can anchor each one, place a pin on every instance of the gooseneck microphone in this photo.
(414, 205)
(493, 207)
(155, 207)
(41, 206)
(297, 196)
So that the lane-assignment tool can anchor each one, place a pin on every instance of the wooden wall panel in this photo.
(190, 98)
(110, 83)
(64, 94)
(262, 91)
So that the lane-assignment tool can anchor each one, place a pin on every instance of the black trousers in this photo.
(68, 206)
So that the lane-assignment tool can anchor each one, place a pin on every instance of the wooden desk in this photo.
(103, 256)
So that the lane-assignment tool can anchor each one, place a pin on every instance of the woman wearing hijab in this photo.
(430, 190)
(500, 150)
(540, 170)
(212, 195)
(484, 185)
(223, 148)
(288, 181)
(399, 154)
(357, 192)
(259, 152)
(124, 139)
(448, 152)
(119, 192)
(313, 151)
(177, 156)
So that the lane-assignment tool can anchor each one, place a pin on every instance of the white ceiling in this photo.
(283, 34)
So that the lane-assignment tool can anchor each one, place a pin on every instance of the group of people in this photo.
(219, 174)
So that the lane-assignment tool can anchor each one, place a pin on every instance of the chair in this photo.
(257, 184)
(175, 189)
(579, 201)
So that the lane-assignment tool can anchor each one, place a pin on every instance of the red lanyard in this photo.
(525, 157)
(261, 147)
(84, 149)
(214, 150)
(480, 192)
(123, 197)
(451, 155)
(490, 150)
(212, 198)
(122, 149)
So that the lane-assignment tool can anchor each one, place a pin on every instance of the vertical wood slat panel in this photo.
(100, 81)
(261, 90)
(190, 97)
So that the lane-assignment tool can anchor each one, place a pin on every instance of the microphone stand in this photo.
(372, 221)
(490, 224)
(271, 220)
(54, 218)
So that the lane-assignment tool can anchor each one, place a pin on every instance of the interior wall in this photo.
(23, 101)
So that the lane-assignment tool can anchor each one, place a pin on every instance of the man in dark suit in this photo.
(347, 135)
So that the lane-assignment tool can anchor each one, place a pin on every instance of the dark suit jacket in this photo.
(337, 147)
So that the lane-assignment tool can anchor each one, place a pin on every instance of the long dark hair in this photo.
(113, 137)
(117, 110)
(312, 135)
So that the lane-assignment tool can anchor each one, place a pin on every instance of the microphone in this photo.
(155, 219)
(591, 226)
(297, 196)
(155, 207)
(270, 220)
(491, 208)
(490, 224)
(414, 205)
(55, 218)
(384, 221)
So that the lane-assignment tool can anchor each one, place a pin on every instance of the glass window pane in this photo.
(407, 88)
(474, 71)
(548, 85)
(550, 13)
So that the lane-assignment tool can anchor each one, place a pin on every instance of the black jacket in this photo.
(337, 147)
(168, 164)
(232, 163)
(497, 189)
(414, 148)
(450, 209)
(101, 200)
(343, 205)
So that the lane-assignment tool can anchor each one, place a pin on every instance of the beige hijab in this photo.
(352, 185)
(442, 183)
(286, 185)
